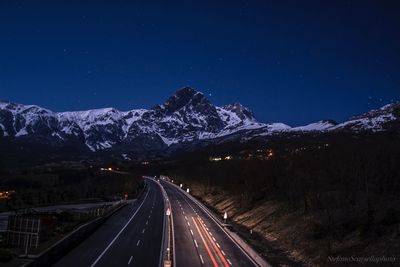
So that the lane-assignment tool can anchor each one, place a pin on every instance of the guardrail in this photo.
(236, 239)
(63, 246)
(168, 249)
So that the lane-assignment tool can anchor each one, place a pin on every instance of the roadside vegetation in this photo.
(312, 199)
(38, 187)
(23, 190)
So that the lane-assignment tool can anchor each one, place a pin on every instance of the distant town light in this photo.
(270, 153)
(6, 194)
(110, 169)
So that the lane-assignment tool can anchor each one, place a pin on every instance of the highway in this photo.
(136, 235)
(132, 236)
(199, 240)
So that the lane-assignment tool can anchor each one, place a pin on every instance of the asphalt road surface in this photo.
(199, 240)
(132, 236)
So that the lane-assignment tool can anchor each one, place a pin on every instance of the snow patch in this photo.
(5, 133)
(167, 141)
(375, 123)
(125, 157)
(317, 126)
(21, 132)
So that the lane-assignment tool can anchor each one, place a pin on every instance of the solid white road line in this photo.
(119, 233)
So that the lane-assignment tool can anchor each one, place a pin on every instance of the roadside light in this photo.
(181, 185)
(110, 169)
(187, 190)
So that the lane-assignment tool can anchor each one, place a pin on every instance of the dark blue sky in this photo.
(289, 61)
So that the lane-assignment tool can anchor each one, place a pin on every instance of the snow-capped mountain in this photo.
(385, 118)
(323, 125)
(186, 117)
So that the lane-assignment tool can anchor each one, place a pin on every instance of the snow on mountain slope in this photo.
(274, 128)
(375, 120)
(317, 126)
(20, 120)
(3, 131)
(184, 117)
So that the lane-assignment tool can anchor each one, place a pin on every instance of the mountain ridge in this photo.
(185, 117)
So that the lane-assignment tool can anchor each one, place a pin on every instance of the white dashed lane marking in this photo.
(201, 258)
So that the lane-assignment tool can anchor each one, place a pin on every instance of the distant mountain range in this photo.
(186, 118)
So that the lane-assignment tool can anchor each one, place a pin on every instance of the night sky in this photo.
(289, 61)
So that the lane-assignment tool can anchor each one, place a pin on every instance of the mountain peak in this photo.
(186, 97)
(187, 90)
(187, 93)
